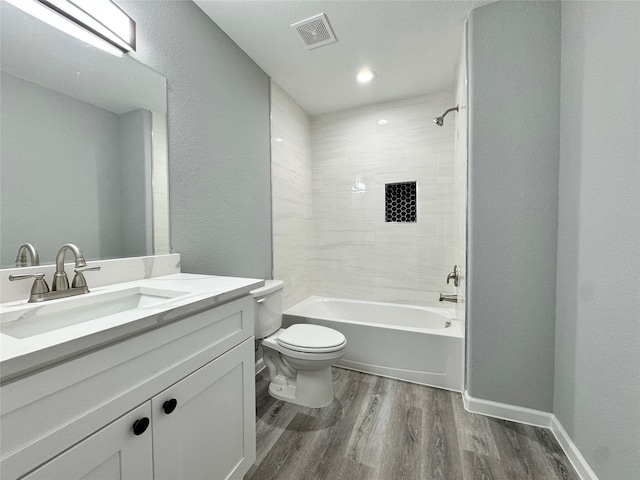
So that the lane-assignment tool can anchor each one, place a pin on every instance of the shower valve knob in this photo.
(455, 276)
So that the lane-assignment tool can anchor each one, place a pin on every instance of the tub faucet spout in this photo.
(448, 298)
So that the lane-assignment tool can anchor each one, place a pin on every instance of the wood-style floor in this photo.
(383, 429)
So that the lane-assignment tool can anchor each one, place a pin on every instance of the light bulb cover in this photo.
(100, 23)
(365, 75)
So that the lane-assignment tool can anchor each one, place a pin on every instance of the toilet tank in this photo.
(268, 308)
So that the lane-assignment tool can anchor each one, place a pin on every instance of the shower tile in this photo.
(291, 171)
(349, 248)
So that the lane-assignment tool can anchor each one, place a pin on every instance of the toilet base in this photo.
(285, 393)
(301, 378)
(313, 389)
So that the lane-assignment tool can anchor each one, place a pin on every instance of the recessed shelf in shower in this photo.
(401, 202)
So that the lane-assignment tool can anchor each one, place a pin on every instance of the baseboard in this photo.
(528, 416)
(537, 418)
(573, 454)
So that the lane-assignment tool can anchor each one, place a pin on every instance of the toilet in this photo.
(299, 357)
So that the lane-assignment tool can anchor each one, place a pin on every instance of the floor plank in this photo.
(479, 467)
(474, 433)
(352, 397)
(442, 449)
(404, 436)
(273, 418)
(383, 429)
(367, 444)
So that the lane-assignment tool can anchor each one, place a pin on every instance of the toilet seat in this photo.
(308, 338)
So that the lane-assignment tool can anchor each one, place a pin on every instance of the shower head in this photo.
(440, 120)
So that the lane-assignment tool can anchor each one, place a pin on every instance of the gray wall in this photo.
(597, 363)
(54, 159)
(218, 102)
(514, 65)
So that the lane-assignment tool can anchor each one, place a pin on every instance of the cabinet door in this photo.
(209, 430)
(113, 452)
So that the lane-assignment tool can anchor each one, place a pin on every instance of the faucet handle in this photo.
(455, 276)
(39, 284)
(85, 269)
(79, 281)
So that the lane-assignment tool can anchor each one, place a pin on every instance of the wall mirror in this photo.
(83, 147)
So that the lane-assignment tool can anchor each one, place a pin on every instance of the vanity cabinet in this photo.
(113, 452)
(209, 431)
(192, 379)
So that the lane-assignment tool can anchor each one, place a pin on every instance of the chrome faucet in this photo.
(21, 259)
(60, 286)
(60, 280)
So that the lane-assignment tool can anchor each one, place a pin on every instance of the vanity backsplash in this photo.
(112, 271)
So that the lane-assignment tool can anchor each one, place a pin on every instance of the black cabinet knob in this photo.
(169, 406)
(140, 426)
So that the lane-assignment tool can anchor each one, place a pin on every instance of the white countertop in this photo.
(20, 356)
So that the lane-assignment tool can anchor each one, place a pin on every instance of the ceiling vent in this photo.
(315, 31)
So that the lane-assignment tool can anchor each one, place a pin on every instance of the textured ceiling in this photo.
(414, 46)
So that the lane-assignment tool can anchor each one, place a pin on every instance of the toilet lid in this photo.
(311, 338)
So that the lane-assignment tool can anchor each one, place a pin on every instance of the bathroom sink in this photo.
(34, 319)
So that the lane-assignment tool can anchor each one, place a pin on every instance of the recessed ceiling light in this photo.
(366, 75)
(278, 139)
(382, 121)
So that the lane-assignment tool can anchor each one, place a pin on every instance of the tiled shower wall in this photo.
(356, 254)
(291, 196)
(460, 187)
(330, 237)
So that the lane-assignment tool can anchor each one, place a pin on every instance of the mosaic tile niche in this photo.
(401, 204)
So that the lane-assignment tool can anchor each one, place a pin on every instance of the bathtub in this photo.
(399, 341)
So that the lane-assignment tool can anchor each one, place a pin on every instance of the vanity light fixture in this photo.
(100, 23)
(366, 75)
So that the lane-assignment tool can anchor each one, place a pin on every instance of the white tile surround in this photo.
(460, 189)
(356, 253)
(291, 192)
(335, 242)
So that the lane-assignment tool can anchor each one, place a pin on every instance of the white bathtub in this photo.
(399, 341)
